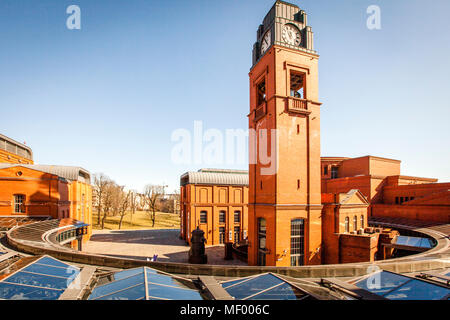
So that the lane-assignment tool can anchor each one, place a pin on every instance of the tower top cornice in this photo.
(285, 25)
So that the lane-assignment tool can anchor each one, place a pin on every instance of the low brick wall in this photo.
(399, 265)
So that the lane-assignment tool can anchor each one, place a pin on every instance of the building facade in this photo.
(390, 194)
(284, 195)
(12, 151)
(59, 192)
(304, 209)
(215, 201)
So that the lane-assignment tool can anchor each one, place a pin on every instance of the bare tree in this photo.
(134, 204)
(124, 200)
(151, 195)
(108, 201)
(101, 182)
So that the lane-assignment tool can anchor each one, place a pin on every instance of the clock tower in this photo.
(284, 121)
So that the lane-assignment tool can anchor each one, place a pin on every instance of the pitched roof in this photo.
(346, 197)
(66, 172)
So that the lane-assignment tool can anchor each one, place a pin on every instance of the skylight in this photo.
(44, 279)
(414, 242)
(397, 287)
(262, 287)
(143, 284)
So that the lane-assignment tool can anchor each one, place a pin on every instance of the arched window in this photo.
(297, 242)
(362, 221)
(237, 216)
(355, 223)
(203, 217)
(347, 223)
(222, 216)
(261, 242)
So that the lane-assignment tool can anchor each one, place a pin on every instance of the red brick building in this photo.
(215, 201)
(31, 190)
(304, 209)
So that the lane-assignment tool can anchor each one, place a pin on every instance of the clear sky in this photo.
(109, 96)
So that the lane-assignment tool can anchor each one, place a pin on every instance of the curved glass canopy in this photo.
(414, 242)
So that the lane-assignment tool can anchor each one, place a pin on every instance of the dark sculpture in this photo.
(197, 251)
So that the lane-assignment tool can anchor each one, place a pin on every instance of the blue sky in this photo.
(108, 97)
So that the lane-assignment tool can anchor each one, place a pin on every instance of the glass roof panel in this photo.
(38, 280)
(414, 242)
(17, 292)
(281, 292)
(418, 290)
(250, 287)
(226, 284)
(133, 293)
(129, 284)
(381, 282)
(115, 286)
(67, 272)
(127, 273)
(164, 292)
(52, 262)
(161, 279)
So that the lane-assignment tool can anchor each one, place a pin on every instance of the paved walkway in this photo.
(141, 244)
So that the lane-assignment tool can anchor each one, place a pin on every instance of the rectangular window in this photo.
(297, 242)
(19, 203)
(237, 234)
(325, 170)
(261, 242)
(297, 85)
(334, 172)
(222, 215)
(261, 92)
(396, 200)
(237, 216)
(221, 234)
(203, 217)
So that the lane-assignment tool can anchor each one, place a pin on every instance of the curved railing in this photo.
(36, 239)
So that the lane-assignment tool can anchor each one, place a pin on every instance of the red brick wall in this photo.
(427, 213)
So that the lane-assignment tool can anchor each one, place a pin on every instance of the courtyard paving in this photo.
(143, 244)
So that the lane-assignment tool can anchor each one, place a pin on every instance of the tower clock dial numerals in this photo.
(291, 35)
(265, 43)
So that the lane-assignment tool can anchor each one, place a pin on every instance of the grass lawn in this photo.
(141, 220)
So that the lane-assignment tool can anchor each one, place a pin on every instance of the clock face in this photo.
(291, 35)
(265, 43)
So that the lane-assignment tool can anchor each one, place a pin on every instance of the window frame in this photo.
(347, 225)
(203, 214)
(297, 242)
(238, 215)
(222, 214)
(22, 207)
